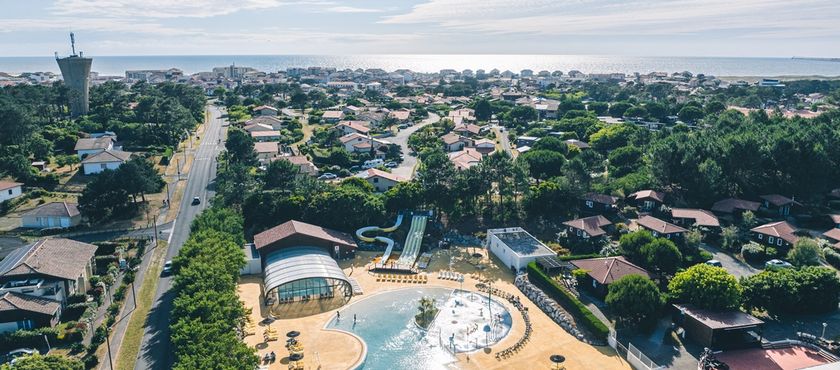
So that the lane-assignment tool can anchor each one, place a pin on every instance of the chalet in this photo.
(382, 181)
(10, 190)
(36, 279)
(601, 272)
(778, 205)
(52, 215)
(263, 136)
(734, 206)
(332, 116)
(647, 200)
(453, 142)
(661, 229)
(266, 110)
(104, 160)
(88, 146)
(588, 227)
(349, 127)
(776, 234)
(694, 217)
(599, 203)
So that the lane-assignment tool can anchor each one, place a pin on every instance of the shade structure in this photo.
(296, 357)
(305, 272)
(557, 359)
(293, 334)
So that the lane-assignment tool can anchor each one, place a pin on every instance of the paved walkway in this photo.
(406, 168)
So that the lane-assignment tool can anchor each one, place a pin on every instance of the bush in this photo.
(753, 252)
(76, 298)
(573, 257)
(568, 301)
(832, 257)
(35, 338)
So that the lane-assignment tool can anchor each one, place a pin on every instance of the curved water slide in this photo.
(389, 243)
(413, 241)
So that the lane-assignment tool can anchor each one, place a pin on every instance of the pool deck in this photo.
(339, 350)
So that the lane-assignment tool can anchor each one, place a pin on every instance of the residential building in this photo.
(304, 165)
(485, 146)
(467, 129)
(88, 146)
(266, 110)
(266, 151)
(778, 205)
(734, 206)
(358, 143)
(349, 127)
(599, 203)
(332, 116)
(465, 158)
(694, 217)
(588, 227)
(601, 272)
(36, 279)
(775, 234)
(526, 141)
(10, 190)
(719, 330)
(453, 142)
(661, 229)
(401, 116)
(104, 160)
(515, 247)
(263, 136)
(833, 234)
(382, 181)
(52, 215)
(270, 121)
(257, 127)
(576, 143)
(647, 200)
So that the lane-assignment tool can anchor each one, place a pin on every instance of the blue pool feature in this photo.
(385, 322)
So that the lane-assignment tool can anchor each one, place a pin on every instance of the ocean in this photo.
(718, 66)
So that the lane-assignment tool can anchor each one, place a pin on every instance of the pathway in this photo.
(406, 168)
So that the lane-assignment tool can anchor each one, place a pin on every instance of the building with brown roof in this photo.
(734, 206)
(382, 181)
(719, 330)
(661, 229)
(588, 227)
(104, 160)
(647, 200)
(466, 158)
(52, 215)
(10, 190)
(266, 110)
(599, 203)
(603, 271)
(294, 233)
(21, 311)
(349, 127)
(453, 142)
(694, 217)
(776, 234)
(778, 205)
(332, 116)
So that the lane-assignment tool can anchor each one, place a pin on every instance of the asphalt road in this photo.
(502, 136)
(155, 352)
(734, 266)
(406, 168)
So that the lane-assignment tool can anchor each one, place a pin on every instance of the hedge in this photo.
(568, 301)
(35, 338)
(573, 257)
(832, 257)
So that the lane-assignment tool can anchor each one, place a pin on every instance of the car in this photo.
(403, 126)
(391, 165)
(167, 267)
(328, 176)
(714, 263)
(196, 200)
(355, 169)
(775, 265)
(14, 355)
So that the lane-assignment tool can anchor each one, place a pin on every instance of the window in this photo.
(25, 324)
(375, 180)
(10, 191)
(770, 239)
(103, 166)
(590, 204)
(760, 236)
(779, 242)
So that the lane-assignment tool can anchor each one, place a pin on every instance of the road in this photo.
(503, 139)
(155, 352)
(731, 264)
(406, 168)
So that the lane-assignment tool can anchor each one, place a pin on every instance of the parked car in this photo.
(775, 265)
(391, 164)
(14, 355)
(167, 267)
(373, 163)
(714, 263)
(196, 200)
(355, 169)
(328, 176)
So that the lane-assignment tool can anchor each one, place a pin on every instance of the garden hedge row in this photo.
(568, 301)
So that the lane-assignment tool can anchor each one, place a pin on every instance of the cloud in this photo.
(351, 9)
(166, 8)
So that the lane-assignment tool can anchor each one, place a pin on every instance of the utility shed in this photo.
(719, 330)
(516, 247)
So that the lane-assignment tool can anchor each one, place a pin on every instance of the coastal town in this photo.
(317, 218)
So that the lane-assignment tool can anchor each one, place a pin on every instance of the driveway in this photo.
(406, 168)
(734, 266)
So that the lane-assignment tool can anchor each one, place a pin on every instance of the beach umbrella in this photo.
(296, 357)
(293, 334)
(557, 360)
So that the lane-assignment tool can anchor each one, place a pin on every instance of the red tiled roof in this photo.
(701, 217)
(4, 185)
(833, 234)
(267, 147)
(291, 228)
(373, 172)
(729, 205)
(606, 270)
(781, 229)
(652, 194)
(662, 227)
(591, 225)
(357, 126)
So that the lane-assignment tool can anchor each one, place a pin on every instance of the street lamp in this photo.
(823, 332)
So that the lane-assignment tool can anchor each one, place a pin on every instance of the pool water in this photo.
(386, 323)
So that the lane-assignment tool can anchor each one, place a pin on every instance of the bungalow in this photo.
(304, 165)
(467, 129)
(10, 190)
(263, 136)
(466, 158)
(52, 215)
(734, 206)
(271, 121)
(453, 142)
(266, 150)
(104, 160)
(332, 116)
(256, 127)
(401, 116)
(647, 200)
(382, 181)
(776, 204)
(36, 279)
(349, 127)
(776, 234)
(588, 227)
(358, 143)
(661, 229)
(265, 110)
(598, 203)
(88, 146)
(463, 115)
(601, 272)
(485, 146)
(694, 217)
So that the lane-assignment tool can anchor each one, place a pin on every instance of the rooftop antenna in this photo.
(73, 42)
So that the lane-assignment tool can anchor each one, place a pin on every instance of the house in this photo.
(719, 330)
(453, 142)
(263, 136)
(10, 190)
(266, 150)
(467, 129)
(256, 127)
(466, 158)
(104, 160)
(52, 215)
(694, 217)
(526, 141)
(661, 229)
(603, 271)
(588, 227)
(270, 121)
(265, 110)
(647, 200)
(304, 165)
(463, 115)
(776, 234)
(833, 235)
(576, 143)
(88, 146)
(332, 116)
(358, 143)
(734, 206)
(349, 127)
(599, 203)
(382, 181)
(777, 205)
(515, 247)
(401, 116)
(37, 278)
(485, 146)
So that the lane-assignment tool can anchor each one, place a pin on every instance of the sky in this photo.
(781, 28)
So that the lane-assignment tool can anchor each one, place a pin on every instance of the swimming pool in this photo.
(386, 323)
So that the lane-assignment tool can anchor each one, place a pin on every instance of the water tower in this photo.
(76, 71)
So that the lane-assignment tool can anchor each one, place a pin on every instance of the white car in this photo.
(328, 176)
(391, 165)
(14, 355)
(775, 265)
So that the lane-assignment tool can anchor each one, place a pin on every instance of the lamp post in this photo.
(822, 336)
(108, 344)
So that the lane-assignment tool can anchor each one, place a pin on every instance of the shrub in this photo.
(753, 252)
(706, 287)
(568, 301)
(635, 300)
(798, 291)
(832, 257)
